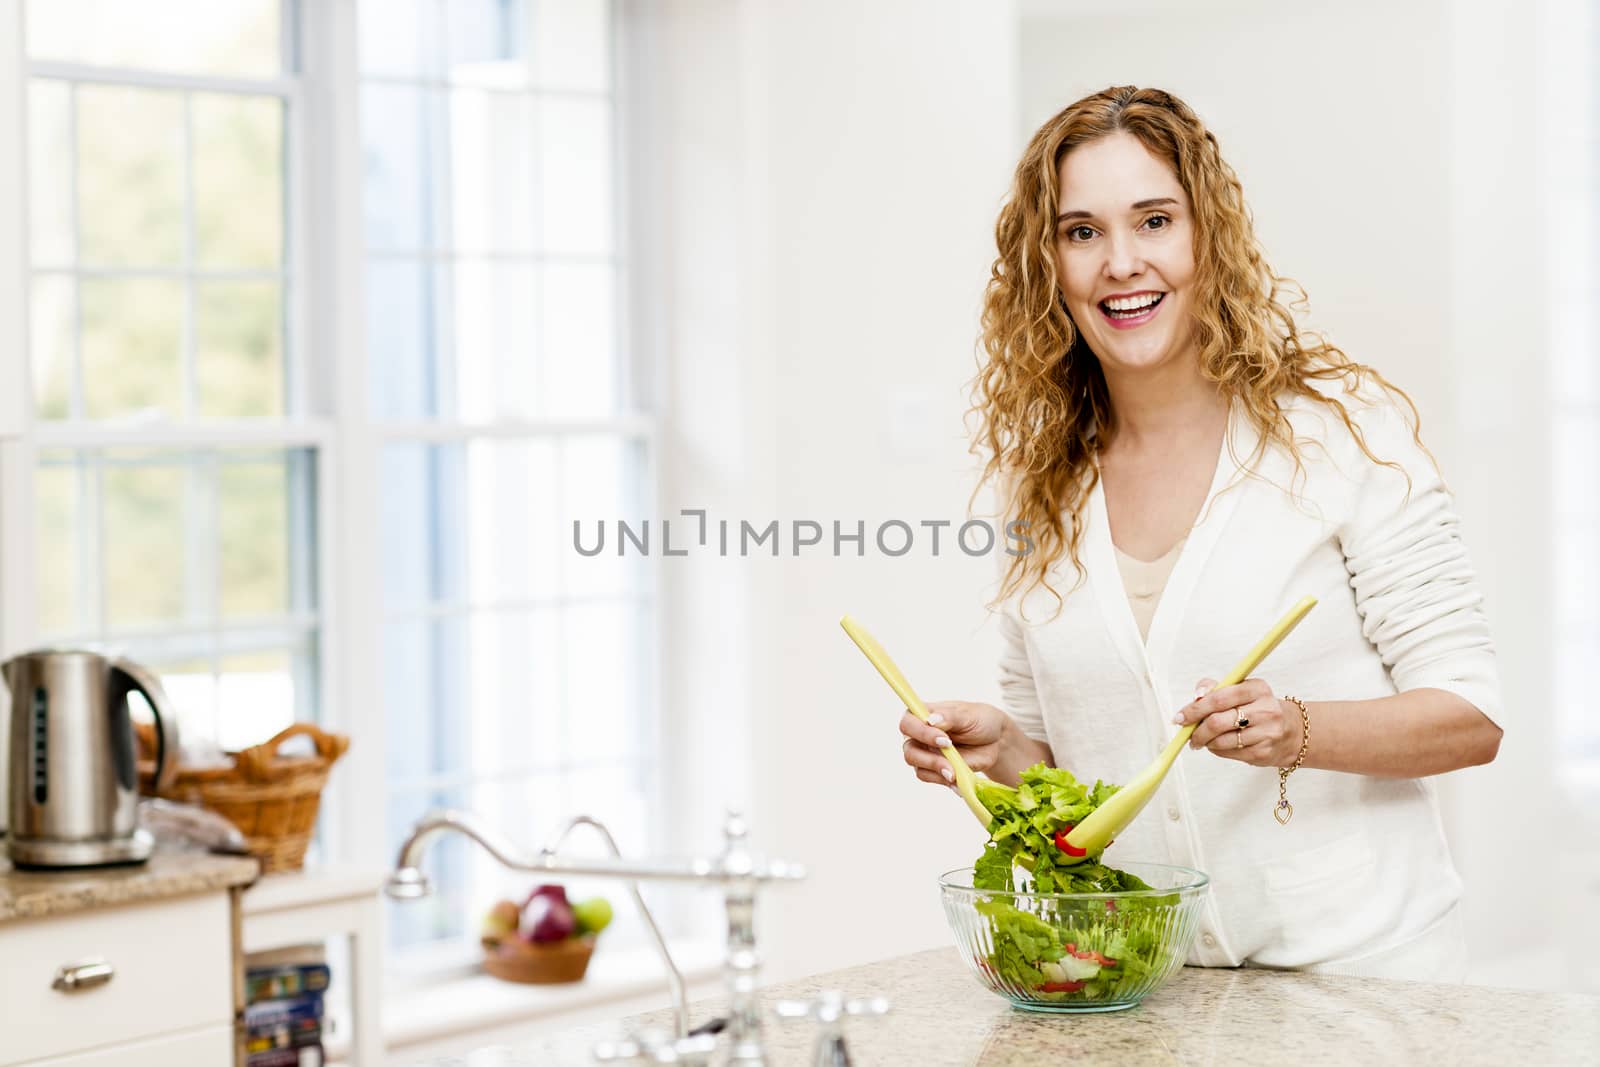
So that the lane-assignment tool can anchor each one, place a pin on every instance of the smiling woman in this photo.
(1152, 409)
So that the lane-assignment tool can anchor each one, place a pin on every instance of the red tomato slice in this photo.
(1061, 987)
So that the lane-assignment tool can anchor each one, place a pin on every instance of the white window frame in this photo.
(22, 436)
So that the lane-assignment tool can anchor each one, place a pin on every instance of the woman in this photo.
(1190, 464)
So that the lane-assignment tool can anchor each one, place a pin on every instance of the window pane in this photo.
(255, 697)
(253, 513)
(577, 352)
(239, 348)
(50, 173)
(492, 175)
(240, 38)
(50, 316)
(409, 699)
(601, 480)
(402, 129)
(147, 514)
(620, 796)
(501, 727)
(513, 528)
(604, 668)
(574, 44)
(400, 38)
(489, 42)
(477, 524)
(130, 176)
(495, 326)
(59, 545)
(403, 336)
(447, 911)
(407, 523)
(132, 359)
(197, 541)
(238, 181)
(190, 684)
(575, 180)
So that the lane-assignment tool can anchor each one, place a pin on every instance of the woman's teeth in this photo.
(1130, 307)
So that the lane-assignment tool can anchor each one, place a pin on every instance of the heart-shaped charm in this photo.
(1283, 812)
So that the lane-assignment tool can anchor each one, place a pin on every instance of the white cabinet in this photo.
(108, 982)
(210, 1047)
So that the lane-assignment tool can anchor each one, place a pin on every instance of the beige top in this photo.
(1144, 580)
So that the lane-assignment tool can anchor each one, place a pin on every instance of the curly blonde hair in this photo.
(1041, 398)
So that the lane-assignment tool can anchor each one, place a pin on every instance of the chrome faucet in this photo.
(736, 870)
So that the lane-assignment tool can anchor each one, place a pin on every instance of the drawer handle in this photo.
(86, 975)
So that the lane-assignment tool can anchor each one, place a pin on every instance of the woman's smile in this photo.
(1129, 311)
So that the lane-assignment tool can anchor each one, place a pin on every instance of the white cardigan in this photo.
(1361, 872)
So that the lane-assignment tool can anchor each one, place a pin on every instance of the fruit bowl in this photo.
(544, 939)
(1076, 952)
(516, 960)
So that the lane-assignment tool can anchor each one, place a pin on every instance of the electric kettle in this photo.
(73, 790)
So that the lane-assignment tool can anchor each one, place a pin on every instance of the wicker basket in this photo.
(272, 799)
(514, 960)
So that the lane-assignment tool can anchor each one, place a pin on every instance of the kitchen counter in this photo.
(170, 872)
(941, 1017)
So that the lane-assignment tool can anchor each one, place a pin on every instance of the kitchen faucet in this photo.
(736, 870)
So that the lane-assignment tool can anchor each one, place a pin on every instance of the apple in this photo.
(502, 920)
(593, 915)
(547, 918)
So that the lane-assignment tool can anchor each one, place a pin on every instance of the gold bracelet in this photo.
(1284, 811)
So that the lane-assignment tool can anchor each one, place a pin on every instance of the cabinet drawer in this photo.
(171, 965)
(211, 1047)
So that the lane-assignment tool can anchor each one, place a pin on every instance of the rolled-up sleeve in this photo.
(1415, 587)
(1019, 698)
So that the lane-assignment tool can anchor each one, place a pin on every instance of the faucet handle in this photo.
(656, 1045)
(828, 1010)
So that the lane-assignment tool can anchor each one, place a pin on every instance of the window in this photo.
(206, 276)
(514, 669)
(174, 470)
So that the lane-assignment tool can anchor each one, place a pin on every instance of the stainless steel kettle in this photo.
(73, 790)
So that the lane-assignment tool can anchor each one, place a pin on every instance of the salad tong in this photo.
(1090, 837)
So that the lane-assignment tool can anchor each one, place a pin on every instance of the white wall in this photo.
(830, 174)
(1389, 153)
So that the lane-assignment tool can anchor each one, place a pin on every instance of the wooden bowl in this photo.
(515, 960)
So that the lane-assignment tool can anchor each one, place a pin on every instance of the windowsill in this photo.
(478, 1002)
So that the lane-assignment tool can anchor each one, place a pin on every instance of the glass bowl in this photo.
(1076, 952)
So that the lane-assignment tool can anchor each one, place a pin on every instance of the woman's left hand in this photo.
(1270, 736)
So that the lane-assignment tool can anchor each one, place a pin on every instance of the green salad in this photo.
(1077, 950)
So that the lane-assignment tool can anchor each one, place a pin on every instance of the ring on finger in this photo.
(1240, 722)
(1238, 738)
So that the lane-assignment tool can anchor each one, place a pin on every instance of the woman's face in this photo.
(1125, 254)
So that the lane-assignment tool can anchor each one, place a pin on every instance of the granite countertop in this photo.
(941, 1017)
(169, 872)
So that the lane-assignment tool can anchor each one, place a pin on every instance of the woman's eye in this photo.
(1079, 233)
(1158, 222)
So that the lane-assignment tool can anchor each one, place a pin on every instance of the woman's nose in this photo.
(1122, 257)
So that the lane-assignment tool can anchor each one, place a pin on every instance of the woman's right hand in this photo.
(980, 732)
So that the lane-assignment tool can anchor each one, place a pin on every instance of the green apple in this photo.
(593, 915)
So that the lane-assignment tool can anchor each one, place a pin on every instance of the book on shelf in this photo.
(287, 1023)
(305, 1056)
(289, 980)
(285, 972)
